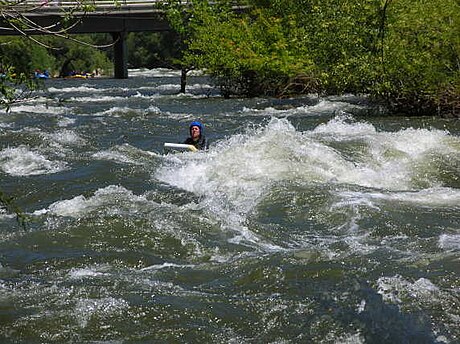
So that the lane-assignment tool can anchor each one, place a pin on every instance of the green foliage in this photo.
(422, 53)
(24, 56)
(80, 57)
(154, 49)
(21, 57)
(14, 86)
(278, 41)
(249, 55)
(405, 52)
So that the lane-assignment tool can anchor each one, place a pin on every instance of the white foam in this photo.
(417, 142)
(168, 87)
(199, 87)
(38, 108)
(65, 122)
(362, 306)
(237, 173)
(22, 161)
(98, 99)
(343, 126)
(111, 198)
(449, 242)
(6, 125)
(354, 338)
(65, 137)
(268, 111)
(161, 72)
(326, 106)
(125, 154)
(431, 197)
(396, 289)
(244, 165)
(234, 178)
(156, 72)
(322, 107)
(85, 309)
(154, 109)
(142, 96)
(388, 160)
(166, 266)
(119, 154)
(76, 273)
(81, 89)
(118, 110)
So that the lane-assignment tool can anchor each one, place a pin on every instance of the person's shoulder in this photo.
(204, 142)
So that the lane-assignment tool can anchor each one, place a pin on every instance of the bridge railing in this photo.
(49, 7)
(86, 7)
(80, 3)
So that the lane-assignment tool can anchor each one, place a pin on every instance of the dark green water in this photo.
(308, 220)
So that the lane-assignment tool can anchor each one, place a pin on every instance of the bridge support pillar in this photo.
(120, 55)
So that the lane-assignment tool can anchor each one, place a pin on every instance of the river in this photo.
(308, 220)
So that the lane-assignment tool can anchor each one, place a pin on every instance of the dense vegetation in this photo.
(89, 53)
(406, 52)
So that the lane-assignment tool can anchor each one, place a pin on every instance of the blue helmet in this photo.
(197, 124)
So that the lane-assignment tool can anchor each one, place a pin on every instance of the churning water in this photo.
(312, 220)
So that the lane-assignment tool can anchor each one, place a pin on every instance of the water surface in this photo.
(310, 220)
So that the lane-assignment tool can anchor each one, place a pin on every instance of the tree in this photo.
(405, 53)
(154, 49)
(422, 56)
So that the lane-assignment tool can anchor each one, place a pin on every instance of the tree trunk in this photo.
(183, 80)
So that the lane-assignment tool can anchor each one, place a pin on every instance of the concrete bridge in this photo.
(45, 17)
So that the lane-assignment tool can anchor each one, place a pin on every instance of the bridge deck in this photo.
(99, 16)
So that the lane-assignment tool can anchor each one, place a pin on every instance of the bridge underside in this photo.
(118, 25)
(90, 23)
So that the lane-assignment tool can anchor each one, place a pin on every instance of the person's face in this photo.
(195, 132)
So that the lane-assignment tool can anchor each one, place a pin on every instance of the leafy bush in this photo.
(404, 52)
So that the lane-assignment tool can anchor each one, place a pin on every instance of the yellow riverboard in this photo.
(180, 147)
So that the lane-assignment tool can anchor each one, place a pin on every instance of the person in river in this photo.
(197, 137)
